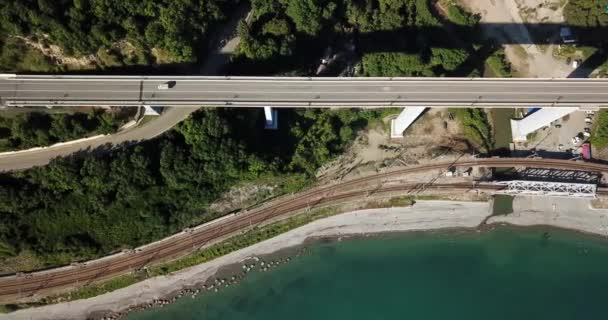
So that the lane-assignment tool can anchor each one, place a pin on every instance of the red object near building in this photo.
(586, 151)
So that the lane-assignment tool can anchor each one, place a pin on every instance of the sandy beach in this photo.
(424, 215)
(567, 213)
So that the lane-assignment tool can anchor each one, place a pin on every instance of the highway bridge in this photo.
(75, 90)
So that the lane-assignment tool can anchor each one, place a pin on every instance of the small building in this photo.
(566, 35)
(586, 151)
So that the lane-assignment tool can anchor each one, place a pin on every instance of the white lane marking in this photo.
(334, 84)
(310, 91)
(266, 79)
(229, 95)
(328, 81)
(308, 99)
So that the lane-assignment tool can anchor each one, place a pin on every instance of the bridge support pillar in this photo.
(152, 111)
(541, 118)
(404, 120)
(272, 118)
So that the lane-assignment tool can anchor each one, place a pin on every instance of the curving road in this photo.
(38, 284)
(39, 157)
(216, 60)
(23, 90)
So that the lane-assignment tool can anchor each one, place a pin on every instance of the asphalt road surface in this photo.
(300, 92)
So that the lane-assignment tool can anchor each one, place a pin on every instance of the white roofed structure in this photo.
(541, 118)
(404, 120)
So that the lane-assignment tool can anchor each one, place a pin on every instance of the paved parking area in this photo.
(550, 138)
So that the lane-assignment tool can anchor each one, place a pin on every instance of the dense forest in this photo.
(406, 34)
(178, 30)
(86, 206)
(39, 129)
(586, 13)
(93, 204)
(590, 17)
(282, 36)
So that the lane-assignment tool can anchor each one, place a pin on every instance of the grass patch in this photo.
(25, 261)
(403, 201)
(97, 289)
(13, 112)
(602, 70)
(410, 200)
(501, 127)
(599, 138)
(572, 51)
(378, 121)
(503, 205)
(458, 15)
(244, 240)
(499, 65)
(476, 126)
(17, 56)
(7, 308)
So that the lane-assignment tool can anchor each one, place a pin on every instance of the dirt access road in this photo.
(528, 56)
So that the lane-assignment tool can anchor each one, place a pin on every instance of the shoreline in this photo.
(424, 216)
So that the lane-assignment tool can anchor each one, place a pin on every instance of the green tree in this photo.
(448, 59)
(395, 64)
(82, 26)
(586, 13)
(38, 129)
(276, 27)
(308, 15)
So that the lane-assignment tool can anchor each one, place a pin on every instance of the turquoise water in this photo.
(503, 274)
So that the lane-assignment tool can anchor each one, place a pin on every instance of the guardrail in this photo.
(345, 92)
(319, 79)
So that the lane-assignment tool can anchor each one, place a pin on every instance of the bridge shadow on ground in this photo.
(422, 39)
(476, 40)
(415, 39)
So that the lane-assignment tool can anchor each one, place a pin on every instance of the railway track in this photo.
(38, 284)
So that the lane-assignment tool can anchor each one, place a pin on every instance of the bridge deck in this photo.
(300, 92)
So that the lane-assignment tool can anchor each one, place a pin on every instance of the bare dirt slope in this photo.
(428, 138)
(527, 50)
